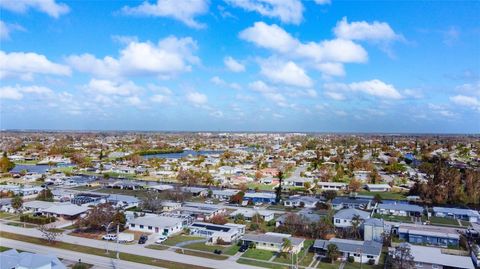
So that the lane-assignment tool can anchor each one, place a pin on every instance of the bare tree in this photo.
(49, 233)
(402, 258)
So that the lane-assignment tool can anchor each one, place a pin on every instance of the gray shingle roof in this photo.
(349, 213)
(346, 245)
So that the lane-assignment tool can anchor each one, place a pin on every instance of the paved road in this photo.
(98, 261)
(133, 249)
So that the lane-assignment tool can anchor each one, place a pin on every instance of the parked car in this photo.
(143, 239)
(109, 237)
(161, 239)
(217, 251)
(209, 202)
(243, 248)
(126, 237)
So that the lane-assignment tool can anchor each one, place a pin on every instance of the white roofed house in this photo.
(336, 186)
(224, 194)
(165, 225)
(457, 213)
(273, 241)
(66, 211)
(301, 201)
(248, 213)
(228, 232)
(378, 187)
(399, 209)
(425, 257)
(343, 218)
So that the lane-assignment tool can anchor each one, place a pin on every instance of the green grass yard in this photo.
(173, 240)
(262, 264)
(201, 254)
(258, 254)
(393, 218)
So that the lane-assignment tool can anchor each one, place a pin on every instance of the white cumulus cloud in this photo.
(466, 101)
(169, 56)
(233, 65)
(181, 10)
(197, 98)
(25, 65)
(288, 11)
(50, 7)
(362, 30)
(287, 73)
(375, 87)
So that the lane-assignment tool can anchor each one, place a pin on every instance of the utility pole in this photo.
(118, 253)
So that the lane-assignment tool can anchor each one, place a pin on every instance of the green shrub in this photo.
(350, 259)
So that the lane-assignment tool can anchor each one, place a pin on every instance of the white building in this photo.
(158, 224)
(228, 232)
(12, 259)
(273, 241)
(343, 218)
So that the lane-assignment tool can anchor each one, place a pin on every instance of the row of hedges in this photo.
(37, 220)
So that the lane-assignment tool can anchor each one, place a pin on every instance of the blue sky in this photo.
(246, 65)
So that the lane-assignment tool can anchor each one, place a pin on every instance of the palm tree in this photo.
(332, 252)
(356, 221)
(278, 191)
(286, 247)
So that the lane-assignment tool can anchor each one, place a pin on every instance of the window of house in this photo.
(337, 221)
(132, 225)
(434, 266)
(370, 256)
(150, 227)
(418, 264)
(141, 226)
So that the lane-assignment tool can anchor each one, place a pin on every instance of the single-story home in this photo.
(343, 218)
(158, 224)
(273, 241)
(301, 201)
(427, 235)
(351, 202)
(399, 209)
(200, 211)
(66, 211)
(361, 251)
(260, 197)
(225, 194)
(457, 213)
(336, 186)
(25, 260)
(434, 258)
(248, 213)
(228, 232)
(378, 187)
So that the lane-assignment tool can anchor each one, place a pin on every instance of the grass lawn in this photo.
(231, 250)
(307, 259)
(203, 247)
(201, 254)
(261, 264)
(327, 265)
(260, 186)
(443, 221)
(157, 247)
(18, 224)
(258, 254)
(393, 218)
(386, 195)
(466, 223)
(6, 215)
(2, 248)
(173, 240)
(288, 258)
(101, 252)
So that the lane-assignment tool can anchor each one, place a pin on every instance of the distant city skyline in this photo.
(198, 65)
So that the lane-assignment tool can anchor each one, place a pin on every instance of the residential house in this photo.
(457, 213)
(260, 197)
(336, 186)
(378, 187)
(224, 195)
(361, 251)
(164, 225)
(435, 258)
(200, 211)
(248, 213)
(228, 232)
(12, 259)
(351, 202)
(301, 201)
(343, 218)
(427, 235)
(274, 241)
(399, 209)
